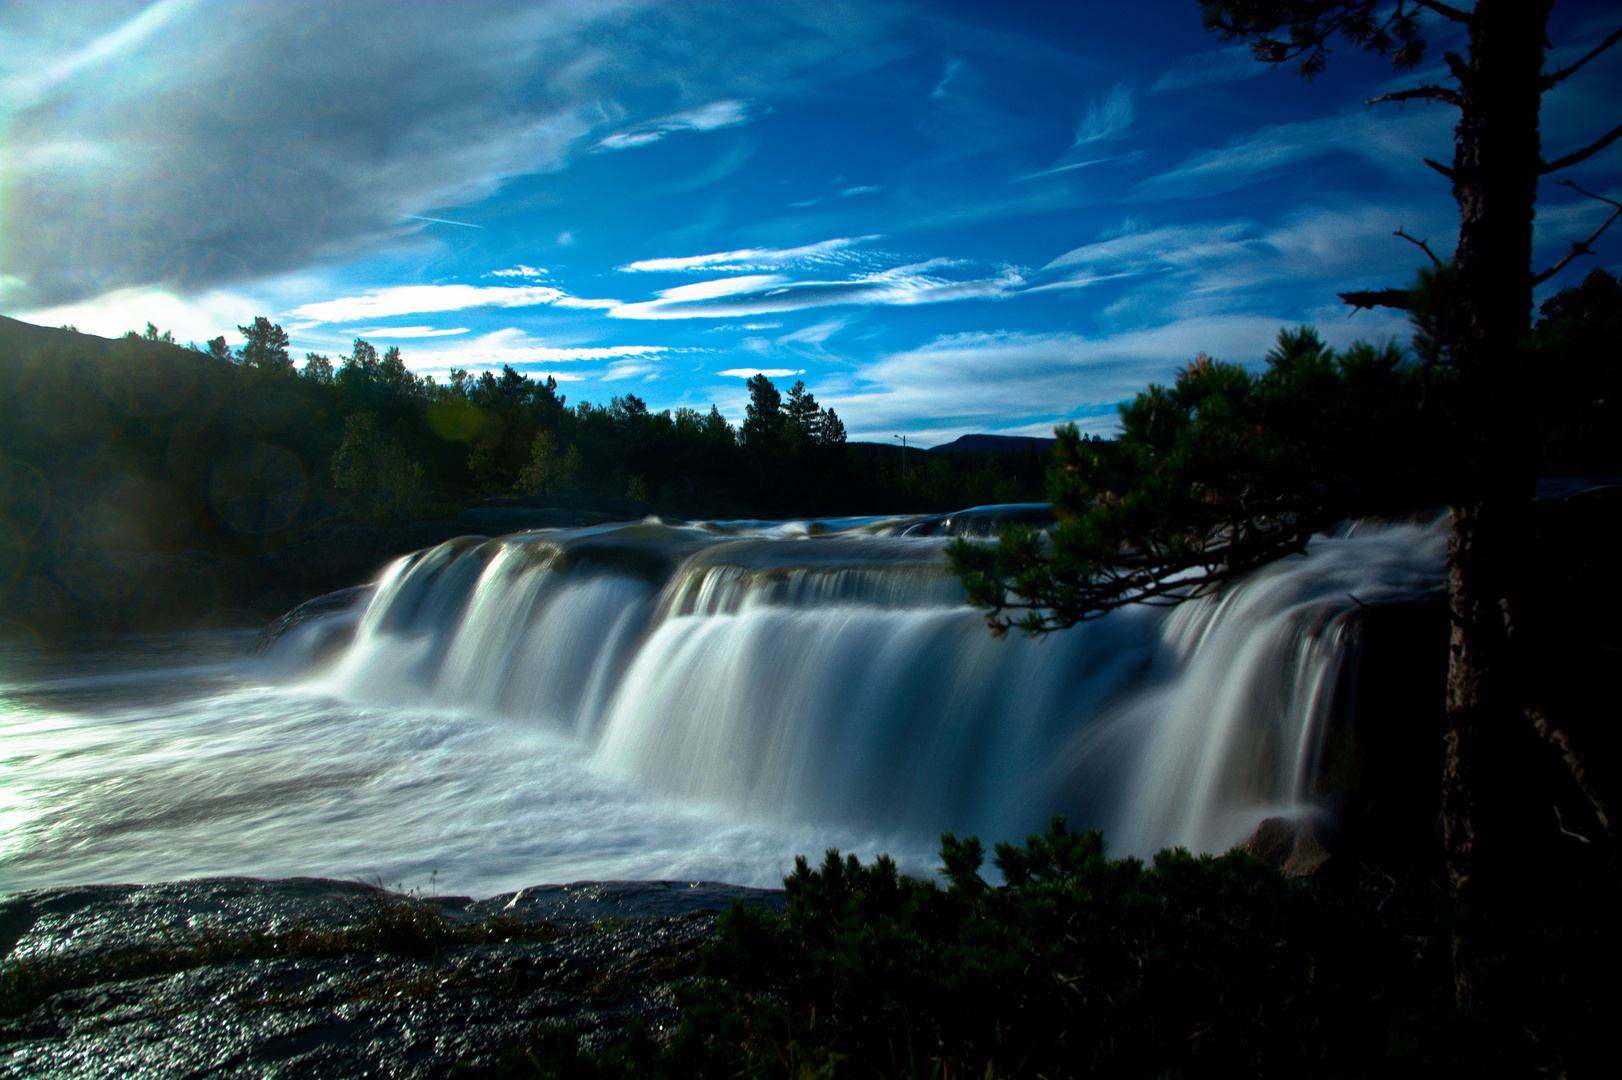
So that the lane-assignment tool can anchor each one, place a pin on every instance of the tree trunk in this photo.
(1496, 170)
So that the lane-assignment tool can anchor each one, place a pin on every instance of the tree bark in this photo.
(1495, 170)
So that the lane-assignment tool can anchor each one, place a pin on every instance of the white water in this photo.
(661, 702)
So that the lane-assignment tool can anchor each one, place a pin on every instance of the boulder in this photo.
(226, 977)
(1288, 845)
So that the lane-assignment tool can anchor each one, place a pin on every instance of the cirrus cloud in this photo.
(770, 373)
(822, 252)
(759, 294)
(416, 299)
(717, 114)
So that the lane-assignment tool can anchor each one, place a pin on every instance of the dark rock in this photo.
(336, 556)
(1288, 845)
(1377, 775)
(609, 508)
(203, 998)
(985, 522)
(1568, 487)
(497, 520)
(323, 609)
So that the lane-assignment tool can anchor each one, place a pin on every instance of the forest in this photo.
(134, 465)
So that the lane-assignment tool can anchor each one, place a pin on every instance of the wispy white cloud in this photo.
(630, 369)
(762, 294)
(1151, 249)
(1208, 68)
(62, 156)
(842, 193)
(416, 299)
(953, 67)
(406, 332)
(441, 221)
(770, 373)
(1074, 165)
(1009, 381)
(29, 86)
(515, 347)
(1107, 116)
(1398, 142)
(1195, 270)
(717, 114)
(520, 271)
(820, 253)
(815, 334)
(1196, 262)
(1574, 219)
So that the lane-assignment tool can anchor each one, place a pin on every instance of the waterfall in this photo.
(831, 672)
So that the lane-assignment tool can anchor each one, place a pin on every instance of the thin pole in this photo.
(903, 439)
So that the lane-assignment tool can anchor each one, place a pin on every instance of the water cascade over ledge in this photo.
(831, 673)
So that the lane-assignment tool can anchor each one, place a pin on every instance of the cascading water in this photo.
(833, 674)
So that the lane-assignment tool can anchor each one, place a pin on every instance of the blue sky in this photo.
(943, 217)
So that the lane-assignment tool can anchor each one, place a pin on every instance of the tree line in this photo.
(146, 444)
(407, 439)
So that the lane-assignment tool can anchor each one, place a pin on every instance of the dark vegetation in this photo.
(130, 468)
(1081, 965)
(1224, 472)
(1227, 469)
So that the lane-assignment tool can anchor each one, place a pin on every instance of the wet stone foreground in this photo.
(237, 977)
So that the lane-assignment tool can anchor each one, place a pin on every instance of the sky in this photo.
(942, 217)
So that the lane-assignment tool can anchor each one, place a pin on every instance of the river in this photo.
(682, 702)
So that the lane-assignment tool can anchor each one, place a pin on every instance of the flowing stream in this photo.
(679, 702)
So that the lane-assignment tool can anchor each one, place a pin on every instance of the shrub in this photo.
(1078, 965)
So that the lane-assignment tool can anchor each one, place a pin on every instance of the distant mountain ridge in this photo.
(980, 444)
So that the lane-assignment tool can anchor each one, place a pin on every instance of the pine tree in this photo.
(803, 415)
(317, 368)
(763, 416)
(1191, 498)
(830, 429)
(362, 364)
(265, 349)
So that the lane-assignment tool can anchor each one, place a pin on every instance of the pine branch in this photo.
(1561, 743)
(1423, 245)
(1581, 247)
(1373, 298)
(1460, 69)
(1447, 11)
(1584, 154)
(1567, 72)
(1428, 93)
(1443, 169)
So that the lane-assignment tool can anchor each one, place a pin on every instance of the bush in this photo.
(1078, 965)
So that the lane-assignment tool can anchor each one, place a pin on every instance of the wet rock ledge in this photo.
(237, 977)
